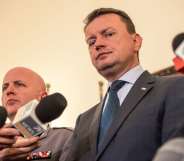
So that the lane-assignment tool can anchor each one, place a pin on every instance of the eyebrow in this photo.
(16, 81)
(4, 84)
(104, 30)
(91, 37)
(101, 32)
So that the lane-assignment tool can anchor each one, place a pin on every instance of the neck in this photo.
(11, 117)
(115, 76)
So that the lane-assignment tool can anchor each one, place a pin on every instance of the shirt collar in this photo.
(132, 75)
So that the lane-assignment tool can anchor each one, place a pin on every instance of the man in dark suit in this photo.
(150, 108)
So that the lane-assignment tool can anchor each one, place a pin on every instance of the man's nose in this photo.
(99, 44)
(10, 90)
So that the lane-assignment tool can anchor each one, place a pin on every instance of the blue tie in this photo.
(111, 108)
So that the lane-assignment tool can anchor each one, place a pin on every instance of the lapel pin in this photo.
(143, 88)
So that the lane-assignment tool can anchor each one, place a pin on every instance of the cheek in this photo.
(125, 48)
(25, 98)
(92, 55)
(3, 100)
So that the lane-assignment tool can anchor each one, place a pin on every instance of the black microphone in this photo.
(31, 118)
(3, 116)
(172, 150)
(177, 41)
(50, 107)
(178, 49)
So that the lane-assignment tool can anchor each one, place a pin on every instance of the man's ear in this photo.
(137, 42)
(42, 95)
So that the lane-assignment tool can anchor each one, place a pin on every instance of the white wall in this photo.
(47, 36)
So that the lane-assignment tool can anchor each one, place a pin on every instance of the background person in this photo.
(21, 85)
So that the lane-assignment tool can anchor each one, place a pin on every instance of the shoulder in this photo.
(175, 79)
(64, 131)
(90, 112)
(85, 118)
(172, 80)
(171, 90)
(165, 85)
(69, 129)
(56, 136)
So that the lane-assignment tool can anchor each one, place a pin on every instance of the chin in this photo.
(12, 110)
(104, 65)
(108, 72)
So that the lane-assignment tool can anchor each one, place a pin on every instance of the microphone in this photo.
(32, 118)
(178, 49)
(50, 107)
(172, 150)
(3, 116)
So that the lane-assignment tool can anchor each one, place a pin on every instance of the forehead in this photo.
(104, 21)
(18, 75)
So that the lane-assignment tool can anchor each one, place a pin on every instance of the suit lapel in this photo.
(94, 128)
(141, 87)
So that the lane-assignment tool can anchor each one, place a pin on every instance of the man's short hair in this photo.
(102, 11)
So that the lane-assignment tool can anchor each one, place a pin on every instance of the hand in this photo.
(13, 146)
(8, 136)
(20, 149)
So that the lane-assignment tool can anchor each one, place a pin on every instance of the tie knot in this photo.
(116, 85)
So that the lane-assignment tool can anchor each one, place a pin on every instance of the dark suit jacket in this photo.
(151, 113)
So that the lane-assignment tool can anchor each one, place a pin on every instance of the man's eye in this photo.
(4, 88)
(91, 42)
(20, 84)
(109, 34)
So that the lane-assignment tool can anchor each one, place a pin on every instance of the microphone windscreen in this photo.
(171, 151)
(3, 116)
(50, 107)
(177, 41)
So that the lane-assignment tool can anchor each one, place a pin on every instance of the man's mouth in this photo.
(103, 55)
(11, 102)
